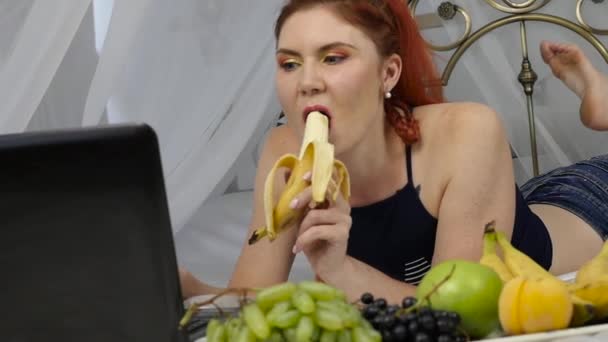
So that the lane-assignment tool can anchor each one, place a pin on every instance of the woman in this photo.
(426, 176)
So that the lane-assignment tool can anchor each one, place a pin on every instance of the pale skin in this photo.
(569, 64)
(463, 154)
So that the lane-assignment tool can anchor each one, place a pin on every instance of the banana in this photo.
(521, 265)
(594, 268)
(595, 293)
(490, 258)
(530, 305)
(591, 283)
(316, 155)
(583, 310)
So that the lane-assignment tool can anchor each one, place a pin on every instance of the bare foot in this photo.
(569, 64)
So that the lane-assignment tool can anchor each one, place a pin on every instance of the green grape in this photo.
(305, 329)
(233, 326)
(318, 290)
(345, 336)
(366, 324)
(244, 335)
(332, 306)
(341, 295)
(254, 317)
(275, 336)
(328, 336)
(277, 310)
(360, 335)
(316, 332)
(218, 334)
(329, 320)
(351, 316)
(290, 334)
(375, 335)
(269, 296)
(213, 324)
(287, 320)
(303, 302)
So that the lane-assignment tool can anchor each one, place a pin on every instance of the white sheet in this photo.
(210, 243)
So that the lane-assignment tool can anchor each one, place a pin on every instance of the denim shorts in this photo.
(580, 188)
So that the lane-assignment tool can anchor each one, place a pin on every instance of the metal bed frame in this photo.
(521, 12)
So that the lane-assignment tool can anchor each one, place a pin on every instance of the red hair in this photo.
(391, 26)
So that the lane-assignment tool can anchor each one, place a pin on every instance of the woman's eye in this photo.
(289, 65)
(334, 59)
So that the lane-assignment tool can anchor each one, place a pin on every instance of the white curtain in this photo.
(36, 37)
(201, 74)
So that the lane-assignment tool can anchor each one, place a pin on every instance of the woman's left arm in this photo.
(481, 184)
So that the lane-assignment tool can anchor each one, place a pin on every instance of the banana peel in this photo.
(316, 156)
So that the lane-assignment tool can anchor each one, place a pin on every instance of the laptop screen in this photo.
(86, 243)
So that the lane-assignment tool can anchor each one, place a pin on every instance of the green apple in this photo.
(467, 288)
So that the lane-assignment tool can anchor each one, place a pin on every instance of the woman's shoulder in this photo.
(461, 121)
(457, 113)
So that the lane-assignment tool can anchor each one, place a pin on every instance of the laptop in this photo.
(86, 245)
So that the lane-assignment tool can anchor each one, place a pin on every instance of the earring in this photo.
(388, 95)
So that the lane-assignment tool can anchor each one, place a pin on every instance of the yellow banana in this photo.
(490, 258)
(591, 282)
(594, 268)
(317, 156)
(522, 265)
(595, 293)
(529, 305)
(583, 310)
(519, 263)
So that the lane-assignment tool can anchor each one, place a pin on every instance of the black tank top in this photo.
(397, 235)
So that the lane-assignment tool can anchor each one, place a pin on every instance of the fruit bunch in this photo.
(307, 311)
(411, 321)
(533, 300)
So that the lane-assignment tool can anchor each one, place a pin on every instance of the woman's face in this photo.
(326, 64)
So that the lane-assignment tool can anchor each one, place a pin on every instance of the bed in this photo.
(210, 243)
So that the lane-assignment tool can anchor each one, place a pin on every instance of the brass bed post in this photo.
(527, 77)
(517, 12)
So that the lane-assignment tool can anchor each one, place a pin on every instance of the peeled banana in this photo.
(316, 156)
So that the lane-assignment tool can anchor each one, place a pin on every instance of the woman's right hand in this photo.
(323, 232)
